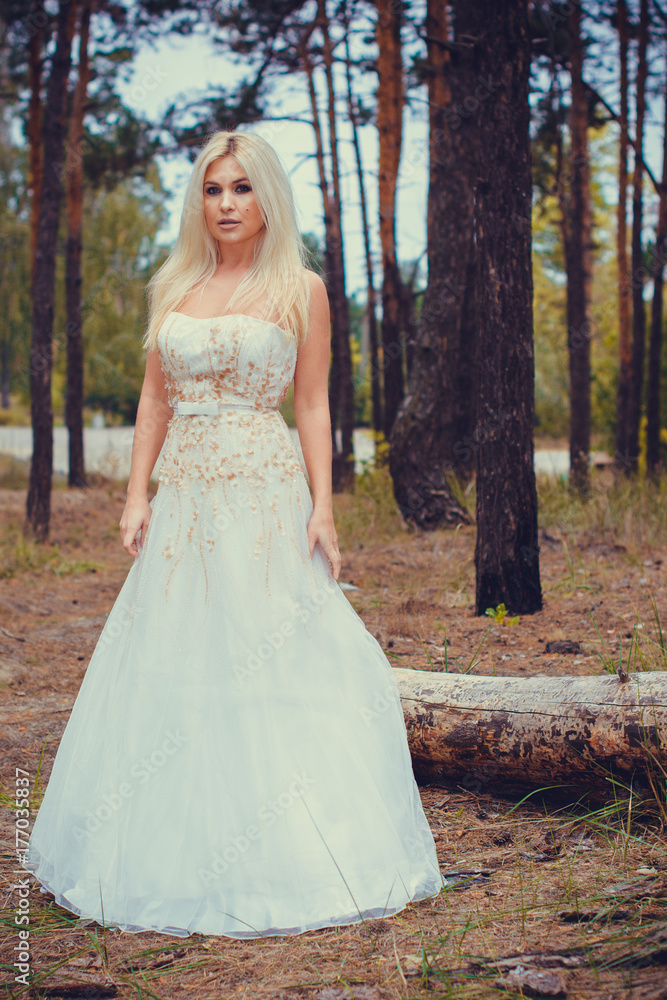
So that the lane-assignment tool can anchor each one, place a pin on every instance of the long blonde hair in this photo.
(276, 276)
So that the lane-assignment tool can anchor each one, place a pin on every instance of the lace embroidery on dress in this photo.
(242, 464)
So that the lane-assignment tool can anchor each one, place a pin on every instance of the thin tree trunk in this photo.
(624, 341)
(578, 266)
(506, 551)
(390, 97)
(344, 463)
(432, 434)
(329, 265)
(631, 458)
(655, 343)
(371, 319)
(38, 507)
(74, 395)
(35, 123)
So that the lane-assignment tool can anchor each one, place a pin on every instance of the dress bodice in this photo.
(230, 359)
(234, 360)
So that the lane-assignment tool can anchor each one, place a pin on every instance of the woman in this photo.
(236, 761)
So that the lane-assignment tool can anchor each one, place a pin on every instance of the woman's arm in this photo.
(311, 409)
(150, 430)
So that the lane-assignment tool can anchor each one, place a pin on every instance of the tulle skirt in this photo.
(236, 761)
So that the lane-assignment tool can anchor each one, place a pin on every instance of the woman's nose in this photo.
(226, 198)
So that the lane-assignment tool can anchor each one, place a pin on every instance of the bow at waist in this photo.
(211, 407)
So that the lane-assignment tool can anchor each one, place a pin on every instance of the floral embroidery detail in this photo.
(235, 359)
(238, 469)
(240, 358)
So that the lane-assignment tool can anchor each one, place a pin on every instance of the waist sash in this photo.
(211, 407)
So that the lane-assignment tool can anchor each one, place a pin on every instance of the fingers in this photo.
(335, 561)
(333, 555)
(133, 534)
(325, 535)
(129, 543)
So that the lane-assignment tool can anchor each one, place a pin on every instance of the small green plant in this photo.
(499, 615)
(21, 554)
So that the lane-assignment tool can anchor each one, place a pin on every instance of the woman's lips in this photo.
(229, 222)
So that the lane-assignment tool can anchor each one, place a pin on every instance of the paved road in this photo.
(108, 450)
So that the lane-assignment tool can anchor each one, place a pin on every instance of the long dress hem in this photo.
(236, 761)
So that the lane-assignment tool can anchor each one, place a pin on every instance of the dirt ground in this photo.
(544, 897)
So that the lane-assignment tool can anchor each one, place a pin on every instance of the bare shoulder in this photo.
(318, 290)
(319, 300)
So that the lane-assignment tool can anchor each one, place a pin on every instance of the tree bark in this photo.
(624, 341)
(655, 341)
(390, 97)
(578, 257)
(631, 458)
(343, 459)
(38, 507)
(506, 551)
(433, 433)
(371, 300)
(74, 395)
(35, 122)
(531, 730)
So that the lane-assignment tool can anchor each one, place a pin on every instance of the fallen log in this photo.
(540, 731)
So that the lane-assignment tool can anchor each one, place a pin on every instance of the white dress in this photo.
(236, 761)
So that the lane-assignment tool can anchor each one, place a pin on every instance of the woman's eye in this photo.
(243, 188)
(212, 190)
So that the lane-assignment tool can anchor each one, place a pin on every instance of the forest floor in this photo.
(545, 896)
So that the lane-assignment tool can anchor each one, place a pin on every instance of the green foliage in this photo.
(20, 554)
(550, 291)
(14, 267)
(632, 512)
(370, 511)
(120, 254)
(499, 615)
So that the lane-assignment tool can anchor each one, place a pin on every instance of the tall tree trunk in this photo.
(579, 265)
(506, 552)
(38, 507)
(74, 395)
(624, 341)
(341, 473)
(655, 343)
(433, 432)
(390, 97)
(631, 458)
(343, 463)
(371, 302)
(35, 123)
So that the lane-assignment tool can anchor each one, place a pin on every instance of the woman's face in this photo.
(232, 214)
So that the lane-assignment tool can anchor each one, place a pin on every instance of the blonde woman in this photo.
(236, 761)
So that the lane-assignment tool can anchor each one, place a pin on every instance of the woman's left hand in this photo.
(321, 529)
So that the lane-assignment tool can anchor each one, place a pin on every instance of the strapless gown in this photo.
(236, 761)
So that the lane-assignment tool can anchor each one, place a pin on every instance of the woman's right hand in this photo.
(135, 517)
